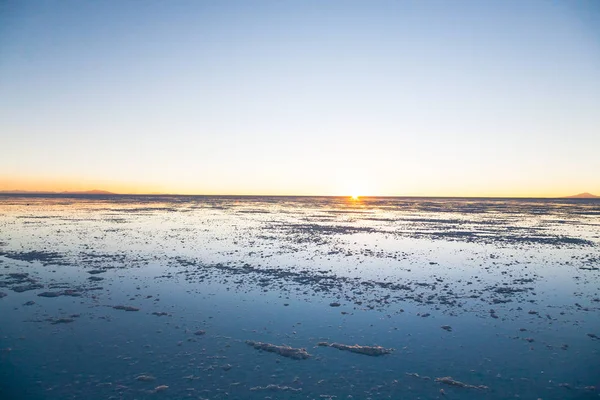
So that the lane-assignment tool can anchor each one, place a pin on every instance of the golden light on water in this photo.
(354, 197)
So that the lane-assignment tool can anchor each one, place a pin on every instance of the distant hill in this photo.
(95, 191)
(92, 192)
(583, 196)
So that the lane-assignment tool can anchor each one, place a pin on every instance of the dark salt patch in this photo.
(19, 275)
(45, 257)
(25, 288)
(61, 321)
(126, 308)
(56, 285)
(18, 282)
(324, 229)
(102, 256)
(71, 293)
(510, 290)
(496, 300)
(253, 212)
(507, 235)
(352, 289)
(68, 292)
(96, 271)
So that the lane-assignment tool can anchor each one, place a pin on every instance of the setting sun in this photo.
(354, 197)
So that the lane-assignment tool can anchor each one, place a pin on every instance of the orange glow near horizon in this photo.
(31, 184)
(71, 184)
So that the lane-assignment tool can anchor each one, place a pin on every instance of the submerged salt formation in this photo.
(68, 292)
(160, 313)
(366, 350)
(61, 321)
(160, 388)
(415, 375)
(25, 288)
(449, 381)
(145, 378)
(285, 351)
(275, 388)
(49, 294)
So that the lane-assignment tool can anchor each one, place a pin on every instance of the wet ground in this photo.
(128, 297)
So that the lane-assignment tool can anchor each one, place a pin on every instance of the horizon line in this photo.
(100, 193)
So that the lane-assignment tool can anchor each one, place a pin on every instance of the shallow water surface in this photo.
(135, 297)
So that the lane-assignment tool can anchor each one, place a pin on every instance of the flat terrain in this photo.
(298, 297)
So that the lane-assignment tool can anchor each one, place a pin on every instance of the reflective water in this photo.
(514, 283)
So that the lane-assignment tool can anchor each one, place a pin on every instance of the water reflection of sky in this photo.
(162, 252)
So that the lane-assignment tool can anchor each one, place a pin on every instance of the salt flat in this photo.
(159, 296)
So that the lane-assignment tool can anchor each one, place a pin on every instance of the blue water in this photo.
(268, 270)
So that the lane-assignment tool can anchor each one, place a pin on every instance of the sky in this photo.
(336, 97)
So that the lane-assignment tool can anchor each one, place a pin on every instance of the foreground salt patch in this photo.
(285, 351)
(366, 350)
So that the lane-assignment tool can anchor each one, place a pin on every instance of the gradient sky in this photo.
(451, 98)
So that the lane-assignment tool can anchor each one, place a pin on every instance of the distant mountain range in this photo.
(98, 192)
(583, 196)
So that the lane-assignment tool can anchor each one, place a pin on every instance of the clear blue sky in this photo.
(301, 97)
